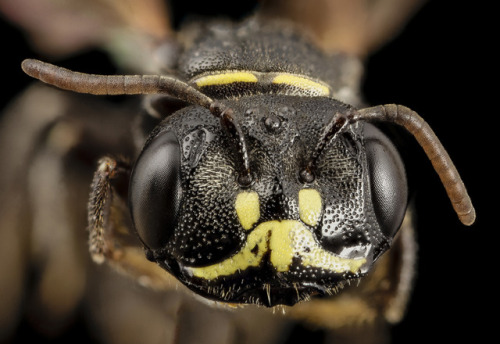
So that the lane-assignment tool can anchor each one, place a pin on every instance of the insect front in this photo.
(279, 237)
(274, 193)
(257, 182)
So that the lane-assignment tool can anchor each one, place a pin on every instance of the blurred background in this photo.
(443, 66)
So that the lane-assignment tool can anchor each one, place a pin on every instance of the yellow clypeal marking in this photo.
(280, 242)
(309, 206)
(284, 240)
(315, 256)
(303, 83)
(250, 255)
(225, 78)
(248, 208)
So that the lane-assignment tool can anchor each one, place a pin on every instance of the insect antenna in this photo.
(141, 84)
(336, 124)
(432, 147)
(225, 115)
(114, 84)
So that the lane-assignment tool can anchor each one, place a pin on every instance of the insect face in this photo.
(281, 237)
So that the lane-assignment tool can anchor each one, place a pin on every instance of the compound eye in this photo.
(155, 190)
(387, 180)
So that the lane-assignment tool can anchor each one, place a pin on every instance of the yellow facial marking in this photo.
(225, 78)
(319, 258)
(280, 243)
(303, 83)
(309, 206)
(250, 255)
(284, 240)
(248, 208)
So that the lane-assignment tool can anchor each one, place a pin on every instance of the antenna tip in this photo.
(26, 65)
(468, 218)
(31, 66)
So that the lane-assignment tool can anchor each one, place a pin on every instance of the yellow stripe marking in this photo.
(303, 83)
(225, 78)
(309, 206)
(280, 243)
(248, 208)
(285, 240)
(250, 255)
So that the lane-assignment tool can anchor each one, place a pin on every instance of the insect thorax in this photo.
(230, 60)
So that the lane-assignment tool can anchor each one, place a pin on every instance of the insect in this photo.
(248, 167)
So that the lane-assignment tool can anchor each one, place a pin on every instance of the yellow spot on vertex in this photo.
(225, 78)
(303, 83)
(309, 206)
(248, 208)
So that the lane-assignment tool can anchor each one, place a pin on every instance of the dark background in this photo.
(442, 66)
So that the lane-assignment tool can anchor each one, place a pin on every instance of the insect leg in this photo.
(110, 239)
(98, 209)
